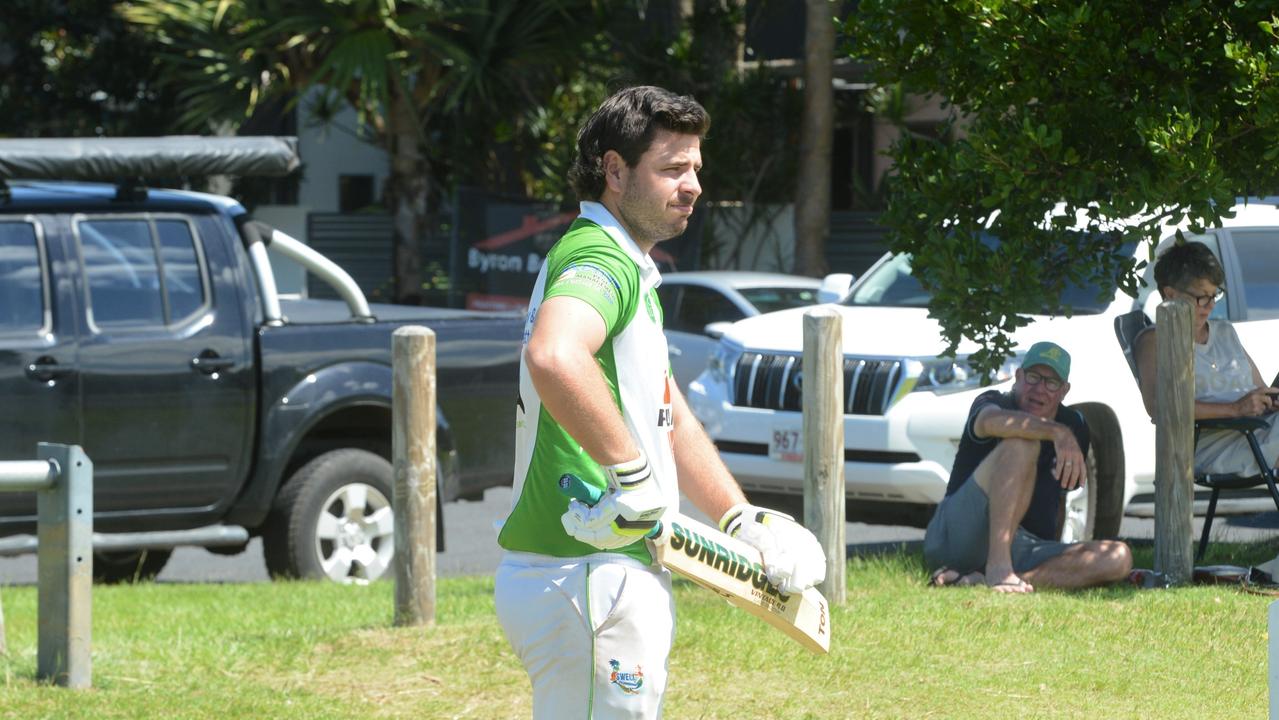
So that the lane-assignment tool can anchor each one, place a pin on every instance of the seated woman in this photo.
(1227, 382)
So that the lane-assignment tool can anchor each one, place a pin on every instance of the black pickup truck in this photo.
(144, 325)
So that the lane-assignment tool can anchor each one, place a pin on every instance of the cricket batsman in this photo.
(585, 608)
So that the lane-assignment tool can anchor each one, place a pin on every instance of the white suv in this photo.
(905, 408)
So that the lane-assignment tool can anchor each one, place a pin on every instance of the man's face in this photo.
(1033, 393)
(656, 197)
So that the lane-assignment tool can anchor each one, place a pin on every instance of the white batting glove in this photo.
(628, 511)
(792, 557)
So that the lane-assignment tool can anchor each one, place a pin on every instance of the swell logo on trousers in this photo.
(629, 682)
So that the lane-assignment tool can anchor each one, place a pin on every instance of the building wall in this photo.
(331, 150)
(744, 237)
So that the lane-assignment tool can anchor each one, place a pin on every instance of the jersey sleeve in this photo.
(606, 280)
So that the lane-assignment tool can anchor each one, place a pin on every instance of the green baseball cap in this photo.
(1050, 354)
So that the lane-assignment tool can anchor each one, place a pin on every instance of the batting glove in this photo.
(792, 557)
(628, 511)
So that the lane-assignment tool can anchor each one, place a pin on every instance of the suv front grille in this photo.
(773, 382)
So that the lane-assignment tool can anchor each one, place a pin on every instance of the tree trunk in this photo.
(408, 193)
(812, 191)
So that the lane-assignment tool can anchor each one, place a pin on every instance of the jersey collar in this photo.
(598, 214)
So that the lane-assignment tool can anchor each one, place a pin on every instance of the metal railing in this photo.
(63, 481)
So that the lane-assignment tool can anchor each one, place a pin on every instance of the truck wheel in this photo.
(128, 566)
(333, 520)
(1105, 473)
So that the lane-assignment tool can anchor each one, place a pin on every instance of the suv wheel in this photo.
(333, 520)
(1098, 509)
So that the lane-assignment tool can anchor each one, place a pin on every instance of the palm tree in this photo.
(403, 65)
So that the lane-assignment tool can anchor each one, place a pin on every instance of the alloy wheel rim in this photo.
(355, 534)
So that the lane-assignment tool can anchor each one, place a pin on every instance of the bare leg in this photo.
(1007, 476)
(1084, 565)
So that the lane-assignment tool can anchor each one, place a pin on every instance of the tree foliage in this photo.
(413, 70)
(1114, 109)
(71, 68)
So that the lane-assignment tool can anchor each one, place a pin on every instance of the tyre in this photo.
(128, 566)
(1105, 472)
(333, 520)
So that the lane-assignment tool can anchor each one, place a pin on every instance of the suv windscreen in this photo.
(891, 284)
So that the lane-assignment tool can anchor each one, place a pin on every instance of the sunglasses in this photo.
(1033, 378)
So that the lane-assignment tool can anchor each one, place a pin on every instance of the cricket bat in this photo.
(729, 568)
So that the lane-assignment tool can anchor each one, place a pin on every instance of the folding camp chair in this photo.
(1127, 327)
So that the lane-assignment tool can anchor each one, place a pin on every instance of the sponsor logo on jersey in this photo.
(528, 327)
(629, 682)
(590, 277)
(665, 415)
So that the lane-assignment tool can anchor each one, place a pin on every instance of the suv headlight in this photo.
(950, 375)
(720, 365)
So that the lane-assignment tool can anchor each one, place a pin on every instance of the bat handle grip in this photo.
(587, 494)
(578, 489)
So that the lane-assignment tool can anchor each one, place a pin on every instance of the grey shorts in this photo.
(959, 533)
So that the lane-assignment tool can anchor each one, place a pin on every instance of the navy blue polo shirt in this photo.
(1041, 516)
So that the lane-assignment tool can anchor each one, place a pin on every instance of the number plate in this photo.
(786, 444)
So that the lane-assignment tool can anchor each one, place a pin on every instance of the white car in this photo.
(905, 407)
(698, 306)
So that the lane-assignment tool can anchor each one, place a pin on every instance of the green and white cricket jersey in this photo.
(596, 261)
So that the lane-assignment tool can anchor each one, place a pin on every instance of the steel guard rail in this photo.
(63, 481)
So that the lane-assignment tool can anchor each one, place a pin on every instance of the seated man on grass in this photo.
(1020, 452)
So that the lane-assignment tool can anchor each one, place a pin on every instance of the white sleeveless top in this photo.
(1223, 374)
(1222, 370)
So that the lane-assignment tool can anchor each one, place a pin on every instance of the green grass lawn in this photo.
(899, 650)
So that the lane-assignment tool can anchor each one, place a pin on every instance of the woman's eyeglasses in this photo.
(1033, 378)
(1204, 301)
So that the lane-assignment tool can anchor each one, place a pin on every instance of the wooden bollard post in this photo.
(413, 458)
(823, 399)
(1273, 670)
(1174, 442)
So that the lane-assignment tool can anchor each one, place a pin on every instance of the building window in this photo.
(355, 192)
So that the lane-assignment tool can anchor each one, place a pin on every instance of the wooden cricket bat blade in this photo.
(729, 568)
(733, 570)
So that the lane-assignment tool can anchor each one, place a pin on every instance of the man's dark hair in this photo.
(626, 123)
(1182, 264)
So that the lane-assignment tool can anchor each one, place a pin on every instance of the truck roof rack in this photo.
(127, 160)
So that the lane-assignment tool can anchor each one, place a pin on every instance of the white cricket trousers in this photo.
(593, 633)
